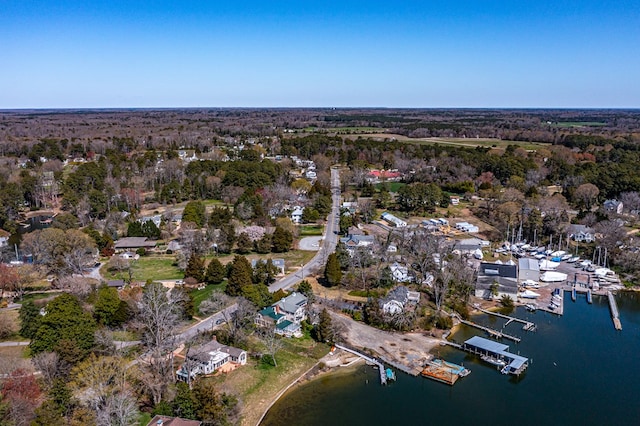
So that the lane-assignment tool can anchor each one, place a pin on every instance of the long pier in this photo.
(528, 325)
(383, 375)
(615, 315)
(493, 333)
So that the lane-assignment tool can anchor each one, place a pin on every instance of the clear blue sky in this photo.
(219, 53)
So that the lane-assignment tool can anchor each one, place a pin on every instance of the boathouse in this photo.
(496, 353)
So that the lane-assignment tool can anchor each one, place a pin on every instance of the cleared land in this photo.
(466, 142)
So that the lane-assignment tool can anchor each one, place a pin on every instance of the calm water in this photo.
(583, 373)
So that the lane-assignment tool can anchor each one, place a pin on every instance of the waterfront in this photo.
(583, 372)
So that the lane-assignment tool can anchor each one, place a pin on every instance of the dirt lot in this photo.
(410, 350)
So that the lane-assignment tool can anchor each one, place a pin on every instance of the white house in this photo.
(398, 299)
(278, 263)
(400, 273)
(4, 238)
(207, 358)
(581, 233)
(296, 214)
(613, 206)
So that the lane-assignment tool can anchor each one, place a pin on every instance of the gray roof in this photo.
(516, 361)
(528, 263)
(202, 352)
(497, 270)
(133, 242)
(115, 283)
(292, 302)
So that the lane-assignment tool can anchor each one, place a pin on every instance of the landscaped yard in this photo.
(257, 384)
(155, 268)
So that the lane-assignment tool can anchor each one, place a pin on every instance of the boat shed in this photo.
(528, 269)
(515, 364)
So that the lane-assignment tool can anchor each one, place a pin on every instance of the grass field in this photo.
(565, 124)
(343, 130)
(153, 268)
(311, 230)
(465, 142)
(393, 186)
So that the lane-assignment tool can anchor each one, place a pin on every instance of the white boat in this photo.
(539, 256)
(530, 283)
(573, 259)
(528, 294)
(531, 307)
(585, 263)
(478, 254)
(558, 253)
(565, 257)
(553, 277)
(548, 265)
(525, 247)
(494, 361)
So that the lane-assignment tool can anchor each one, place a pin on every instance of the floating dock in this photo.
(493, 333)
(615, 315)
(444, 372)
(528, 325)
(385, 375)
(497, 354)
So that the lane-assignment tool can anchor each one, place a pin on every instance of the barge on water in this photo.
(444, 372)
(497, 354)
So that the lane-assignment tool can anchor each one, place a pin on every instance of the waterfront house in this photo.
(285, 315)
(502, 277)
(398, 299)
(210, 357)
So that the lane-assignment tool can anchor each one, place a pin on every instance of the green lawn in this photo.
(393, 186)
(311, 230)
(200, 295)
(153, 268)
(579, 124)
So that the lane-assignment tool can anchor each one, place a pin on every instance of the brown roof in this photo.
(172, 421)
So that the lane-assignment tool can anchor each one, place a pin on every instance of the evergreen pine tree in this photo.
(332, 271)
(244, 243)
(215, 272)
(240, 276)
(195, 268)
(281, 240)
(29, 319)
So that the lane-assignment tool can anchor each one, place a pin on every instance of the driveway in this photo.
(310, 243)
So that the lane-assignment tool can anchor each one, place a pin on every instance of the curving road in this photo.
(329, 241)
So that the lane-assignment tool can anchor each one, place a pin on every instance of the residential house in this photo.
(117, 284)
(504, 278)
(172, 421)
(400, 273)
(278, 263)
(398, 299)
(133, 243)
(454, 200)
(396, 221)
(356, 242)
(467, 227)
(296, 214)
(613, 206)
(581, 233)
(470, 245)
(285, 315)
(208, 358)
(376, 176)
(156, 219)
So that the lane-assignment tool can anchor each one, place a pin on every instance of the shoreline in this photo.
(309, 376)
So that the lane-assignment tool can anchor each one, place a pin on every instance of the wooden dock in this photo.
(527, 325)
(381, 370)
(493, 333)
(615, 315)
(444, 372)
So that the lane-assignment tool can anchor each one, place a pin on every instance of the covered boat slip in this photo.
(514, 364)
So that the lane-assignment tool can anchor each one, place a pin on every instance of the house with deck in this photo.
(398, 299)
(285, 315)
(209, 358)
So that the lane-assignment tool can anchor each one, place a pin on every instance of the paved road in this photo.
(330, 239)
(207, 324)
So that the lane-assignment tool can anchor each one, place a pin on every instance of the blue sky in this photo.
(448, 53)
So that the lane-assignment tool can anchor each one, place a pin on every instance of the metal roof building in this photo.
(516, 364)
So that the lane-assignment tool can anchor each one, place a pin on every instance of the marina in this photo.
(497, 354)
(385, 374)
(491, 332)
(615, 315)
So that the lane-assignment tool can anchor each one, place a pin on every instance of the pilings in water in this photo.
(527, 325)
(615, 315)
(383, 375)
(493, 333)
(589, 297)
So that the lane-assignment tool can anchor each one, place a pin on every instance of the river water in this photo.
(582, 372)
